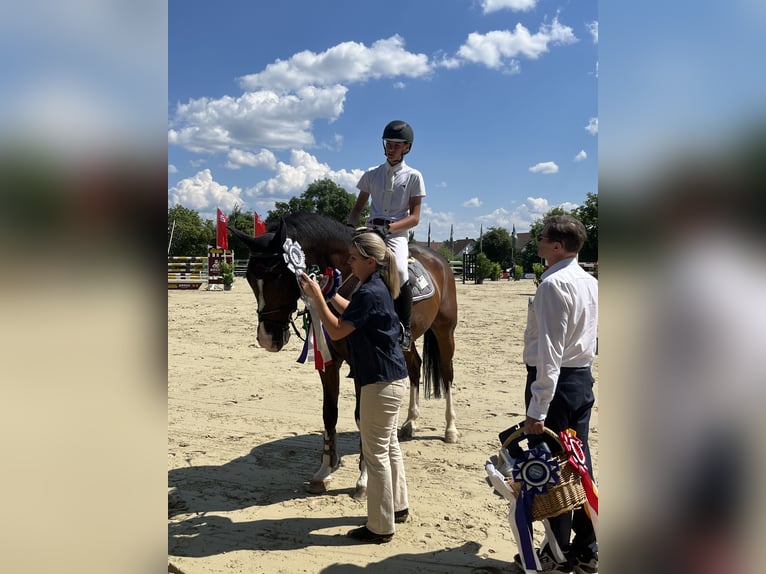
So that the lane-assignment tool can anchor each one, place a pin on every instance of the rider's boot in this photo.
(403, 306)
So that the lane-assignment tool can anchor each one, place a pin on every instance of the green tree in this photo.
(496, 244)
(242, 220)
(445, 251)
(191, 235)
(322, 196)
(528, 254)
(588, 214)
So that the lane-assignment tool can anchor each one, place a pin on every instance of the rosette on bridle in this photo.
(316, 339)
(535, 470)
(576, 457)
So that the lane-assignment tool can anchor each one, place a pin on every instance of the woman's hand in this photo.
(310, 287)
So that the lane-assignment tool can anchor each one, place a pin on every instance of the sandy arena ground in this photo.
(245, 435)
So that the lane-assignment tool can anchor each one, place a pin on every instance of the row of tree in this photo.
(191, 235)
(500, 247)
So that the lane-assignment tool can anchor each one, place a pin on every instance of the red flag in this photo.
(259, 227)
(222, 235)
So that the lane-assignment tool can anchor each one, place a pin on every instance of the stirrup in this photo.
(405, 339)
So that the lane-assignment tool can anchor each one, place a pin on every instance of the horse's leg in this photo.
(360, 492)
(330, 459)
(414, 362)
(445, 336)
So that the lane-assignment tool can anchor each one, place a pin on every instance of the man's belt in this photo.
(378, 221)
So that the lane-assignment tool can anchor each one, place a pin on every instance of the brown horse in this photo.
(325, 243)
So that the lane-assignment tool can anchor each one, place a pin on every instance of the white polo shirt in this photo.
(393, 204)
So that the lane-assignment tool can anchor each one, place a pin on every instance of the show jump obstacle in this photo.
(192, 272)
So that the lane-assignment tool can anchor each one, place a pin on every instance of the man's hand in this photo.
(534, 426)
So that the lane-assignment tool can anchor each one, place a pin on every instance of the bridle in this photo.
(274, 264)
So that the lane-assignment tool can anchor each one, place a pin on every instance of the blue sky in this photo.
(266, 97)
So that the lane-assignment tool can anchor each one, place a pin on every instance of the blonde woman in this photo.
(370, 323)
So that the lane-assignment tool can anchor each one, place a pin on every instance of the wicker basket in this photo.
(563, 497)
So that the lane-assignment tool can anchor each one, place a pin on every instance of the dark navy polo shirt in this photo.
(375, 354)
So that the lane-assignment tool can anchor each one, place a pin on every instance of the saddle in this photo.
(420, 279)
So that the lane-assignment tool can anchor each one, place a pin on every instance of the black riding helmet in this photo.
(401, 131)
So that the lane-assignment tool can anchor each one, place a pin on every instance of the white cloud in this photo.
(535, 208)
(348, 62)
(293, 178)
(399, 85)
(546, 167)
(473, 202)
(592, 127)
(201, 193)
(263, 159)
(493, 48)
(581, 156)
(255, 119)
(172, 168)
(593, 29)
(489, 6)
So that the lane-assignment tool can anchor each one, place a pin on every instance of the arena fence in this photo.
(193, 272)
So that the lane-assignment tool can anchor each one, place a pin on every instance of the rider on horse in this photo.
(397, 191)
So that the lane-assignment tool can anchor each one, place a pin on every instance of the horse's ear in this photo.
(280, 235)
(252, 242)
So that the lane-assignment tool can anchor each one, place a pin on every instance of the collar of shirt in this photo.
(395, 168)
(557, 266)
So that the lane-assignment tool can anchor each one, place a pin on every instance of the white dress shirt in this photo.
(562, 321)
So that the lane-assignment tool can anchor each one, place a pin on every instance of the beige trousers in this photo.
(386, 482)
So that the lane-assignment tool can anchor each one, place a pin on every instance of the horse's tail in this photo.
(432, 365)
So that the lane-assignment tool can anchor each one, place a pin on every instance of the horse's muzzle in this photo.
(273, 336)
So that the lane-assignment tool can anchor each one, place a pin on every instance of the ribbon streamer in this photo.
(573, 447)
(316, 346)
(535, 470)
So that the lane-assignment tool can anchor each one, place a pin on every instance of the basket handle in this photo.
(518, 435)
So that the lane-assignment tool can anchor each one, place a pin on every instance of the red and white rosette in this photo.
(576, 457)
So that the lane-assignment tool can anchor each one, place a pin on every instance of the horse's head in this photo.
(274, 285)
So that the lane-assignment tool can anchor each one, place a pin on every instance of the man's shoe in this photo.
(589, 566)
(401, 516)
(547, 563)
(364, 534)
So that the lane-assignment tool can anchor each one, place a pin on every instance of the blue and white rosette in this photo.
(296, 262)
(535, 470)
(294, 256)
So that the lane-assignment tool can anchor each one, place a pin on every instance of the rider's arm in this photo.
(356, 211)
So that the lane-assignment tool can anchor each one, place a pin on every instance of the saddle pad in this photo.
(422, 284)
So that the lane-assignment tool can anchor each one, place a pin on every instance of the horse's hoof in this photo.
(451, 436)
(317, 486)
(360, 493)
(406, 432)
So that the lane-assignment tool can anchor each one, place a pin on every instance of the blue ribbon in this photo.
(535, 470)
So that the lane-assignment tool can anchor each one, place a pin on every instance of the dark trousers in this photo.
(570, 408)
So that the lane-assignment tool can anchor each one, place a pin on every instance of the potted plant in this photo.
(484, 268)
(227, 275)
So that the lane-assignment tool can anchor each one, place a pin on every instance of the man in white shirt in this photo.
(396, 191)
(559, 348)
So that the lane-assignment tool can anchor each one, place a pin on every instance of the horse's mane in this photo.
(311, 229)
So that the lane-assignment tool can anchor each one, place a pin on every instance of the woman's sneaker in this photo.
(547, 563)
(587, 567)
